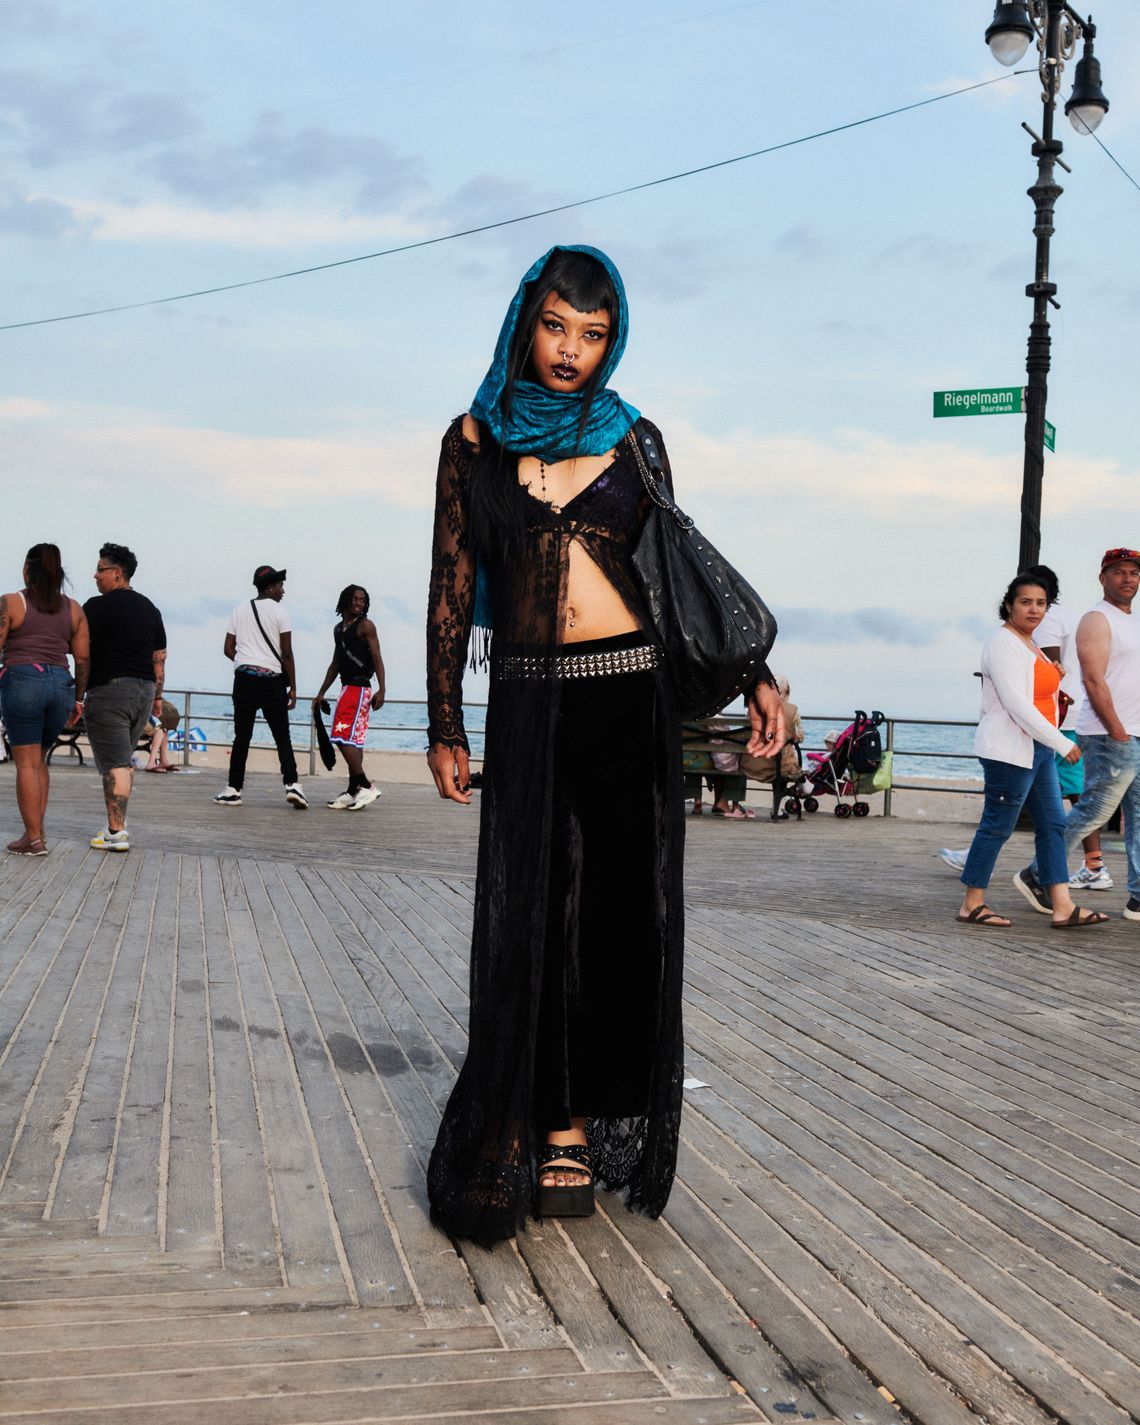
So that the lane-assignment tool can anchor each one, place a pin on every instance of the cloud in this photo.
(311, 224)
(202, 611)
(801, 242)
(851, 626)
(27, 216)
(897, 480)
(112, 450)
(50, 117)
(23, 408)
(275, 157)
(851, 331)
(930, 249)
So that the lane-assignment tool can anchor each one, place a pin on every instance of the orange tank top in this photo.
(1046, 681)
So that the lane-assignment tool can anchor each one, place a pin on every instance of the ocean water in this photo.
(941, 751)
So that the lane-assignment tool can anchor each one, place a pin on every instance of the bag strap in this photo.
(272, 646)
(649, 464)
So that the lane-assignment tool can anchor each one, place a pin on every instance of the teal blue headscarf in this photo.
(545, 423)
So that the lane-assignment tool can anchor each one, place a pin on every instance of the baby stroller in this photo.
(858, 751)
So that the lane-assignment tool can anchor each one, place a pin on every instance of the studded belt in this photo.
(642, 659)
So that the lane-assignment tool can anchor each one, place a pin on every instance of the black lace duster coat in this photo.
(481, 1178)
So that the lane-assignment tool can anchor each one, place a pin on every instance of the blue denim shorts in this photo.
(115, 714)
(35, 702)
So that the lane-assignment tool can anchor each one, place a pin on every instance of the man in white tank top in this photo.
(1108, 725)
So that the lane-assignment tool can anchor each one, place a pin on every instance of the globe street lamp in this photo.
(1057, 28)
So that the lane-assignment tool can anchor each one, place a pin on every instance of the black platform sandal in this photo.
(576, 1200)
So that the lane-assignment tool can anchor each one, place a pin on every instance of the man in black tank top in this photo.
(356, 660)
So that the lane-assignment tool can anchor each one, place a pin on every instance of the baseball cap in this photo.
(1119, 556)
(265, 574)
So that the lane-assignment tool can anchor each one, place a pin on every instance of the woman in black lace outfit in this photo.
(574, 1061)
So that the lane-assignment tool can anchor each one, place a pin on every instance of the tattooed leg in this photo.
(116, 793)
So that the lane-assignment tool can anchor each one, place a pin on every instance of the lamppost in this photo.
(1057, 28)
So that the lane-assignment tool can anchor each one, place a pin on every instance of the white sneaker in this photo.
(296, 797)
(363, 797)
(343, 802)
(1086, 880)
(111, 841)
(231, 797)
(956, 860)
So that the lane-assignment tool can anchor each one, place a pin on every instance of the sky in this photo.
(791, 315)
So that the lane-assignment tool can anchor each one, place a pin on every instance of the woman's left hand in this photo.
(766, 714)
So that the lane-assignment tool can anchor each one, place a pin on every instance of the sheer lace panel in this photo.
(451, 596)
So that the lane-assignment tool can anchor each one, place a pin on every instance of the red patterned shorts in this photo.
(350, 720)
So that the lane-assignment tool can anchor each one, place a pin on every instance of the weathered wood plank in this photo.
(352, 1189)
(189, 1165)
(246, 1381)
(249, 1227)
(378, 1403)
(442, 1282)
(306, 1345)
(724, 1327)
(86, 1133)
(61, 1065)
(137, 1181)
(175, 1304)
(256, 1319)
(812, 1168)
(311, 1245)
(645, 1311)
(892, 1332)
(577, 1302)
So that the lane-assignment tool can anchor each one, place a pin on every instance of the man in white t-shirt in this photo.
(259, 642)
(1108, 729)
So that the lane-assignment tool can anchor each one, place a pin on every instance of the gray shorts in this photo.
(115, 714)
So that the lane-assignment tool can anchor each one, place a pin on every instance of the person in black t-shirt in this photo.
(356, 661)
(128, 668)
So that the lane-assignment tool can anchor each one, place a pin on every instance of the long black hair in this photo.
(344, 603)
(45, 578)
(1023, 581)
(496, 497)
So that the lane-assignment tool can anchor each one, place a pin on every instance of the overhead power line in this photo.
(520, 218)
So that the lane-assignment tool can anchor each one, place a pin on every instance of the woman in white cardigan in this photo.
(1016, 739)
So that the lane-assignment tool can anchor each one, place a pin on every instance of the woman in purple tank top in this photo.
(39, 627)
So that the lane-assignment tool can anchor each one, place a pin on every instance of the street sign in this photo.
(987, 401)
(1050, 436)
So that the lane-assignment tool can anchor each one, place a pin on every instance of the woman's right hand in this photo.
(451, 769)
(1074, 754)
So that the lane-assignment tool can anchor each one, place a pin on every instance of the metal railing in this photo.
(890, 726)
(190, 720)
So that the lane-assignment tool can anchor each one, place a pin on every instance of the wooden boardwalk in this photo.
(909, 1184)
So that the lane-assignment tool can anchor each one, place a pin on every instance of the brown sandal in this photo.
(982, 916)
(1077, 921)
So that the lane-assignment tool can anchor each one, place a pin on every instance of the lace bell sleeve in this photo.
(451, 597)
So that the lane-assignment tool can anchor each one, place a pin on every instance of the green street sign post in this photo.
(987, 401)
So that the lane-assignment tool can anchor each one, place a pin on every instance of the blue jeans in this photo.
(35, 702)
(1008, 789)
(1111, 781)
